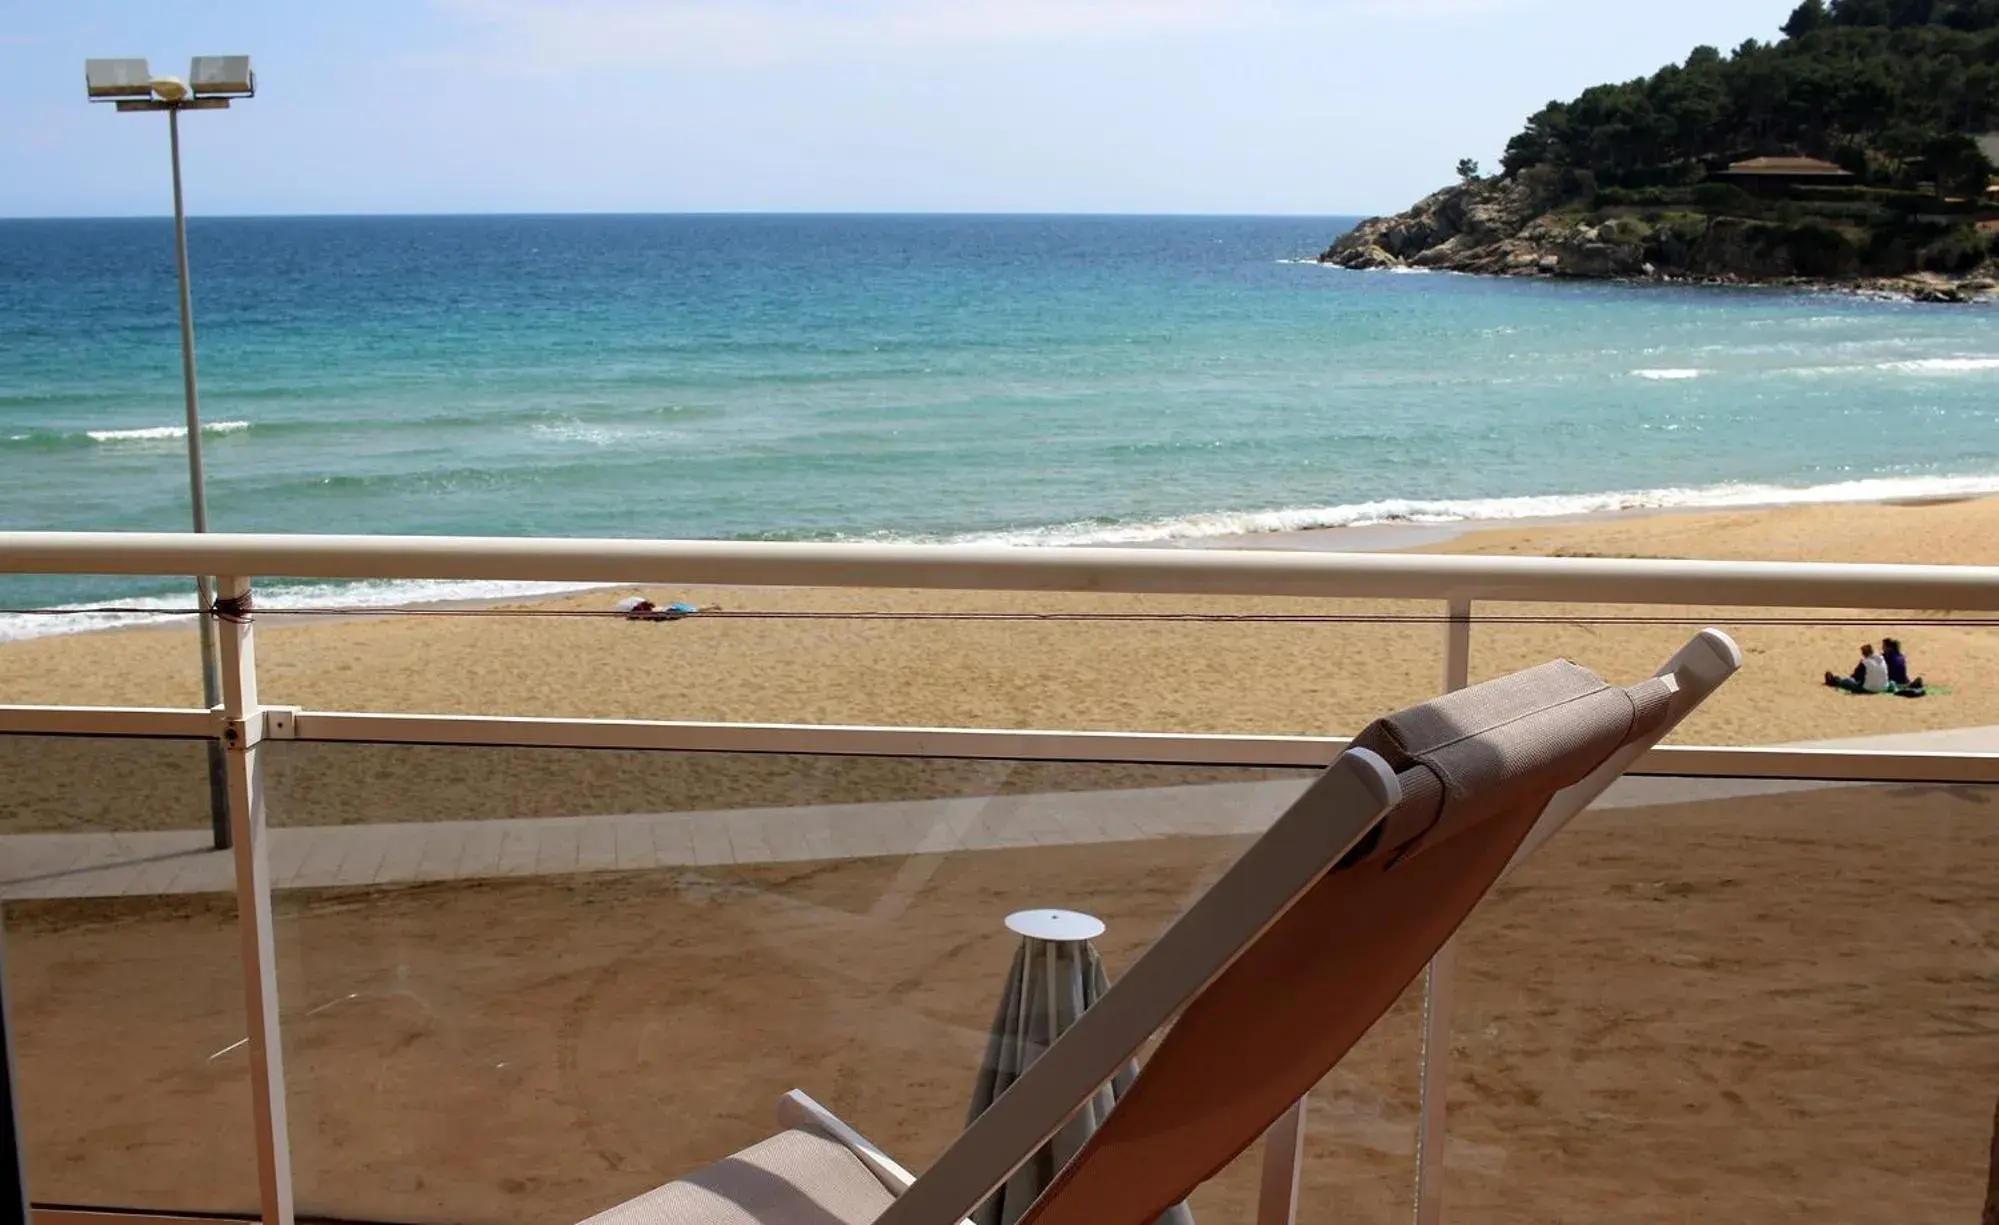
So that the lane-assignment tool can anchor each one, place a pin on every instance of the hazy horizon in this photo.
(666, 212)
(982, 107)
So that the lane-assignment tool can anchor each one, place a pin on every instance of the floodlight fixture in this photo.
(222, 76)
(118, 78)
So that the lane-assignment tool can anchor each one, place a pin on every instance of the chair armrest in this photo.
(797, 1109)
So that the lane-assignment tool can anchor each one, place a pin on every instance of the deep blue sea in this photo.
(922, 378)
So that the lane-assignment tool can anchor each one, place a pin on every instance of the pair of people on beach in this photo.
(1886, 671)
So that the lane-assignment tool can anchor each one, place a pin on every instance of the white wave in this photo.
(1919, 366)
(1942, 365)
(1475, 510)
(156, 432)
(1666, 376)
(1821, 372)
(601, 435)
(1394, 270)
(574, 431)
(359, 596)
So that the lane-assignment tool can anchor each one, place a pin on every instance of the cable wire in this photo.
(235, 613)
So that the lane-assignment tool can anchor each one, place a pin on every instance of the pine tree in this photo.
(1807, 17)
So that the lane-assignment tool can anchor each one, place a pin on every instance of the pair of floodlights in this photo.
(212, 80)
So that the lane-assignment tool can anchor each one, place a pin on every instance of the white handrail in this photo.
(996, 568)
(1247, 750)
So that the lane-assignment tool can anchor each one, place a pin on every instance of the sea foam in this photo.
(1942, 365)
(155, 433)
(358, 596)
(1482, 510)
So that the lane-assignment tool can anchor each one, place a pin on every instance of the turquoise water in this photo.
(928, 378)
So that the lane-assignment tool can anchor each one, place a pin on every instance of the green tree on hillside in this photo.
(1806, 18)
(1957, 165)
(1876, 85)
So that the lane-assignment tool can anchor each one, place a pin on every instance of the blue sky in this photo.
(1168, 106)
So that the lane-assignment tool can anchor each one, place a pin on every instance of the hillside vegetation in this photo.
(1890, 89)
(1621, 180)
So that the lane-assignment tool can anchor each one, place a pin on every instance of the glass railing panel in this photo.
(123, 978)
(1360, 1138)
(527, 984)
(1773, 1000)
(95, 787)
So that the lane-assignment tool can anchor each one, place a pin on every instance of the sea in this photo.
(1009, 379)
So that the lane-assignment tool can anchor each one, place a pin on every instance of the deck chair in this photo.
(1268, 978)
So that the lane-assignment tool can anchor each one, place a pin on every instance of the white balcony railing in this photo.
(245, 721)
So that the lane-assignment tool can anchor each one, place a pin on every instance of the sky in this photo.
(1064, 106)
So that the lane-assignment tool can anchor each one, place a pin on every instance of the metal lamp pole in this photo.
(216, 79)
(197, 483)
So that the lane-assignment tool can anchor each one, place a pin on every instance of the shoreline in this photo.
(1431, 537)
(1927, 288)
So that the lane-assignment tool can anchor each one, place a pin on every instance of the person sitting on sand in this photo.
(1871, 676)
(1898, 670)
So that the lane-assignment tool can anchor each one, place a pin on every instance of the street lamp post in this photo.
(213, 80)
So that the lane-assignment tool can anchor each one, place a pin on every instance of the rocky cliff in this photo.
(1505, 227)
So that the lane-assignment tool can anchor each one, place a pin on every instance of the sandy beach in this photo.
(1779, 1008)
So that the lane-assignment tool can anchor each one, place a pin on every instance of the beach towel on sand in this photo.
(637, 609)
(1929, 691)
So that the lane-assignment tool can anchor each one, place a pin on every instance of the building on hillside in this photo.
(1779, 173)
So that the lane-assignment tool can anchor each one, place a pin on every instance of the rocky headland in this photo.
(1509, 226)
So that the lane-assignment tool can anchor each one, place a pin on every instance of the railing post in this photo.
(243, 728)
(14, 1196)
(211, 697)
(1283, 1155)
(1439, 980)
(1457, 647)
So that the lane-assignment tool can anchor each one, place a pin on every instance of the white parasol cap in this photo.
(1055, 925)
